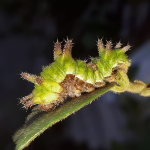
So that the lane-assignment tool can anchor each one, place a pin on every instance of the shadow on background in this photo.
(27, 31)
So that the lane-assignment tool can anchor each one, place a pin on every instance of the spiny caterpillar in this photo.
(68, 77)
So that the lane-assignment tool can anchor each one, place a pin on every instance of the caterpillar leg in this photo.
(26, 98)
(27, 101)
(111, 78)
(88, 87)
(50, 106)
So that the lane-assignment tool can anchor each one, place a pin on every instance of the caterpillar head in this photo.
(117, 57)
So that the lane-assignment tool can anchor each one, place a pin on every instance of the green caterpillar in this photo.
(68, 77)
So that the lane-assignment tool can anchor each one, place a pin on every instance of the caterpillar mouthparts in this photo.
(68, 77)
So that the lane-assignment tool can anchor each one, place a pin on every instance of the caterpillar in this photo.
(68, 77)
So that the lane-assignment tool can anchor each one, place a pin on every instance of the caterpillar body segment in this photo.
(54, 71)
(68, 77)
(81, 70)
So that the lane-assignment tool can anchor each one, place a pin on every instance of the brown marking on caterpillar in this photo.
(92, 65)
(77, 92)
(88, 87)
(38, 80)
(63, 93)
(79, 83)
(99, 84)
(68, 84)
(111, 78)
(74, 86)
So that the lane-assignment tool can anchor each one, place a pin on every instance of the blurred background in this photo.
(27, 32)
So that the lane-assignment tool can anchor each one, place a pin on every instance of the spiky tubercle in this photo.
(68, 77)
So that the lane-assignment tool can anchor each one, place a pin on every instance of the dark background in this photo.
(27, 32)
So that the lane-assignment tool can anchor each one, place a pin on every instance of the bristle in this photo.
(28, 104)
(28, 76)
(108, 45)
(57, 49)
(32, 78)
(92, 65)
(126, 48)
(26, 98)
(118, 45)
(67, 47)
(100, 46)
